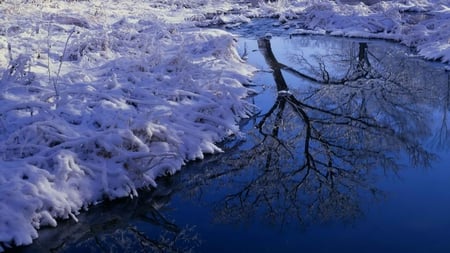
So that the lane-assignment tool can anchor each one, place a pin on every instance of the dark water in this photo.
(349, 153)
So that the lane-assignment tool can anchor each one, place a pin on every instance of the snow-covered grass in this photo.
(99, 98)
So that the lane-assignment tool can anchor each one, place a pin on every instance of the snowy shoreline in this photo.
(99, 98)
(420, 24)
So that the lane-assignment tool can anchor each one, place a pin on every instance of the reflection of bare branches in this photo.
(117, 229)
(311, 159)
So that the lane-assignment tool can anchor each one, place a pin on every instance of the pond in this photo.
(348, 153)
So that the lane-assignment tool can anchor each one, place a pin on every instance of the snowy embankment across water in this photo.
(422, 24)
(96, 103)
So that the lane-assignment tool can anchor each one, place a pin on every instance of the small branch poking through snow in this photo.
(61, 58)
(10, 52)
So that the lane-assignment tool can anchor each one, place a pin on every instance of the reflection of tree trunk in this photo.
(266, 49)
(363, 59)
(362, 56)
(283, 97)
(362, 69)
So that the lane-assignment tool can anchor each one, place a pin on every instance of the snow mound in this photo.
(93, 111)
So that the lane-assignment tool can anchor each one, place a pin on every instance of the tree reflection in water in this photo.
(316, 152)
(125, 225)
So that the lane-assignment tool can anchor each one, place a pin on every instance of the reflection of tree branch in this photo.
(362, 67)
(105, 229)
(311, 158)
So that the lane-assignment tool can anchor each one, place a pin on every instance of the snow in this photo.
(99, 98)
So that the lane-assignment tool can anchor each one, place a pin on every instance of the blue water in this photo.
(373, 107)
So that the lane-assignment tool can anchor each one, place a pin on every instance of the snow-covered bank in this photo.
(98, 102)
(422, 24)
